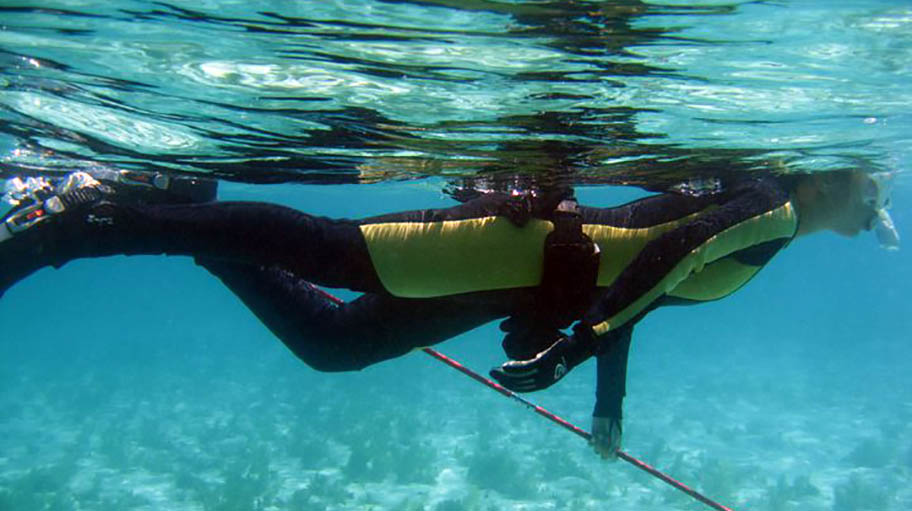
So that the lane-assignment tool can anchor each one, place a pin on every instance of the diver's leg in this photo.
(333, 336)
(328, 252)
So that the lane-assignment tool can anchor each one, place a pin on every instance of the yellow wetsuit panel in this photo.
(428, 259)
(717, 280)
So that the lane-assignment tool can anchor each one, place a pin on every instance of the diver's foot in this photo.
(46, 220)
(37, 207)
(34, 199)
(37, 201)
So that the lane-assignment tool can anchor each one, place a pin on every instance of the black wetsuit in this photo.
(432, 274)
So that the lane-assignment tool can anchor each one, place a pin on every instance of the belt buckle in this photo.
(26, 218)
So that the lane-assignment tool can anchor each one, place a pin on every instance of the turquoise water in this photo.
(139, 383)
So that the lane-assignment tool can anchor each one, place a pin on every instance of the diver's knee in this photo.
(335, 366)
(332, 362)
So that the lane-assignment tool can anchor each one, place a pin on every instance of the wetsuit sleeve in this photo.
(754, 213)
(611, 374)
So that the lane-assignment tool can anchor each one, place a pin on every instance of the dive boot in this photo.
(52, 222)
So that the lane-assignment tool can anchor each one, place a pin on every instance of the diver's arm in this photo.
(753, 213)
(611, 386)
(756, 212)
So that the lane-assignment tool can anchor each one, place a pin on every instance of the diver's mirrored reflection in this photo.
(339, 92)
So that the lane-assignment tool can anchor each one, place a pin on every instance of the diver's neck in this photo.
(811, 215)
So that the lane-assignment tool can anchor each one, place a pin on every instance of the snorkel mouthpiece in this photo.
(886, 231)
(884, 228)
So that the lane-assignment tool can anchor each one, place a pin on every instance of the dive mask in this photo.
(877, 196)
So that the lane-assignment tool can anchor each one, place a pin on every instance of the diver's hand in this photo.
(526, 336)
(606, 437)
(542, 371)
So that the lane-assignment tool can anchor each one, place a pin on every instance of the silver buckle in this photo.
(27, 217)
(158, 180)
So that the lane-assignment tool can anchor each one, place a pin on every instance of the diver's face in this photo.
(858, 211)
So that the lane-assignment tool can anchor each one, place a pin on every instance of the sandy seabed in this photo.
(190, 434)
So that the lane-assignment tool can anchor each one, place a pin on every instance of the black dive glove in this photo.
(518, 207)
(546, 368)
(526, 337)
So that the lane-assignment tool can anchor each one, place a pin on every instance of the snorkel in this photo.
(877, 196)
